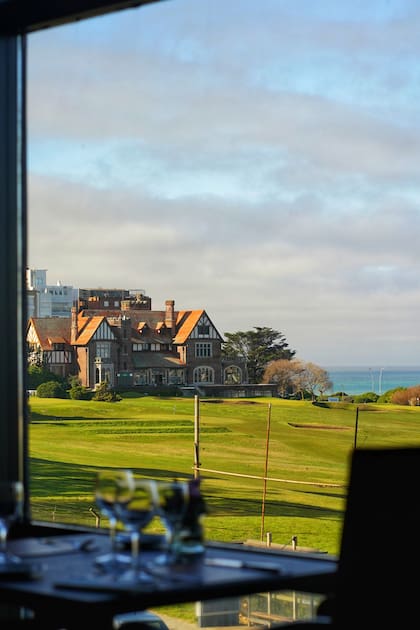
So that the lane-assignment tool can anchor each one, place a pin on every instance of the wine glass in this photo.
(11, 508)
(136, 508)
(108, 487)
(172, 501)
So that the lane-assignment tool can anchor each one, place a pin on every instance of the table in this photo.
(68, 590)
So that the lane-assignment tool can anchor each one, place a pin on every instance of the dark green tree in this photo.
(51, 389)
(77, 391)
(257, 348)
(38, 374)
(104, 393)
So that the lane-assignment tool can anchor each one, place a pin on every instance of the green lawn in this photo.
(306, 450)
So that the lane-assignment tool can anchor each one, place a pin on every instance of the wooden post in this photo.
(196, 437)
(356, 427)
(265, 470)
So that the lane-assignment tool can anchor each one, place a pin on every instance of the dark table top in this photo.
(66, 584)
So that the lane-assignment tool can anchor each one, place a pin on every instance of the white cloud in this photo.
(258, 160)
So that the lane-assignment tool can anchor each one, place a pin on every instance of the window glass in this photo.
(249, 164)
(203, 350)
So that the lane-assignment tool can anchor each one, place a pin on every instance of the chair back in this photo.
(379, 560)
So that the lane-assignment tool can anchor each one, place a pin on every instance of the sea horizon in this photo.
(379, 379)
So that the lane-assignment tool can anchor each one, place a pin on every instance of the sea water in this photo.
(358, 380)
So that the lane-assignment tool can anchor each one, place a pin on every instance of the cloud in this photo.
(258, 160)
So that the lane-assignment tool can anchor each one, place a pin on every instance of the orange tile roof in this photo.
(56, 340)
(88, 328)
(50, 328)
(185, 322)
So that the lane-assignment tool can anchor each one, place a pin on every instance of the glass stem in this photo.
(113, 534)
(3, 536)
(135, 549)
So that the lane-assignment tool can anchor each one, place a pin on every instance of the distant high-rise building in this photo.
(48, 300)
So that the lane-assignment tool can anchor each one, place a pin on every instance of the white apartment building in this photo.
(48, 300)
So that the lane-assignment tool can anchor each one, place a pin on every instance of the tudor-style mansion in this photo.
(131, 345)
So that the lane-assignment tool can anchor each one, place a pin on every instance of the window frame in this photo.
(17, 20)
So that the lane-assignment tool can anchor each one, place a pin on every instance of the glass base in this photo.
(136, 576)
(8, 558)
(113, 561)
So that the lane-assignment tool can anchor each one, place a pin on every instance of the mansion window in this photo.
(203, 330)
(176, 377)
(203, 350)
(233, 375)
(103, 373)
(103, 349)
(140, 378)
(203, 374)
(139, 347)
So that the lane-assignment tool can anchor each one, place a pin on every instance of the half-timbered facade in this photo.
(132, 347)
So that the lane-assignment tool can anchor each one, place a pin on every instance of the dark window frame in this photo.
(17, 20)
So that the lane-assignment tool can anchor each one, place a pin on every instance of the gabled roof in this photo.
(49, 330)
(185, 324)
(87, 327)
(56, 340)
(146, 326)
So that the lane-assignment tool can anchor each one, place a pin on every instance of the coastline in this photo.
(355, 380)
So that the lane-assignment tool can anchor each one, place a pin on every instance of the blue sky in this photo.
(256, 159)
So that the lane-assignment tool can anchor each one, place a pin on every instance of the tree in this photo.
(38, 374)
(51, 389)
(314, 380)
(283, 373)
(296, 376)
(78, 391)
(406, 396)
(103, 393)
(257, 348)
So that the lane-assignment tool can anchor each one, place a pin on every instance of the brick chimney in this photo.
(170, 316)
(74, 332)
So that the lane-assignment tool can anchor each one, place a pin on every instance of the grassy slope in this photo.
(307, 456)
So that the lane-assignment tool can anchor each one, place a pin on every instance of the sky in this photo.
(256, 159)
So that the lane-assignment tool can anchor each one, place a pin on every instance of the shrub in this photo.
(407, 396)
(104, 394)
(80, 392)
(38, 375)
(51, 389)
(366, 397)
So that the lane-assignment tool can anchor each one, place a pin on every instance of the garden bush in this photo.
(51, 389)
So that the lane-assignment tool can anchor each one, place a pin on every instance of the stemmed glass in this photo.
(11, 508)
(136, 508)
(172, 502)
(109, 485)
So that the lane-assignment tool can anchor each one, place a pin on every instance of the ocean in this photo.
(358, 380)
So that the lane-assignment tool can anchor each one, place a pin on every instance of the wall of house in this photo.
(82, 366)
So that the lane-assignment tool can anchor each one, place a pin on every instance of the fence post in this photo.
(97, 517)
